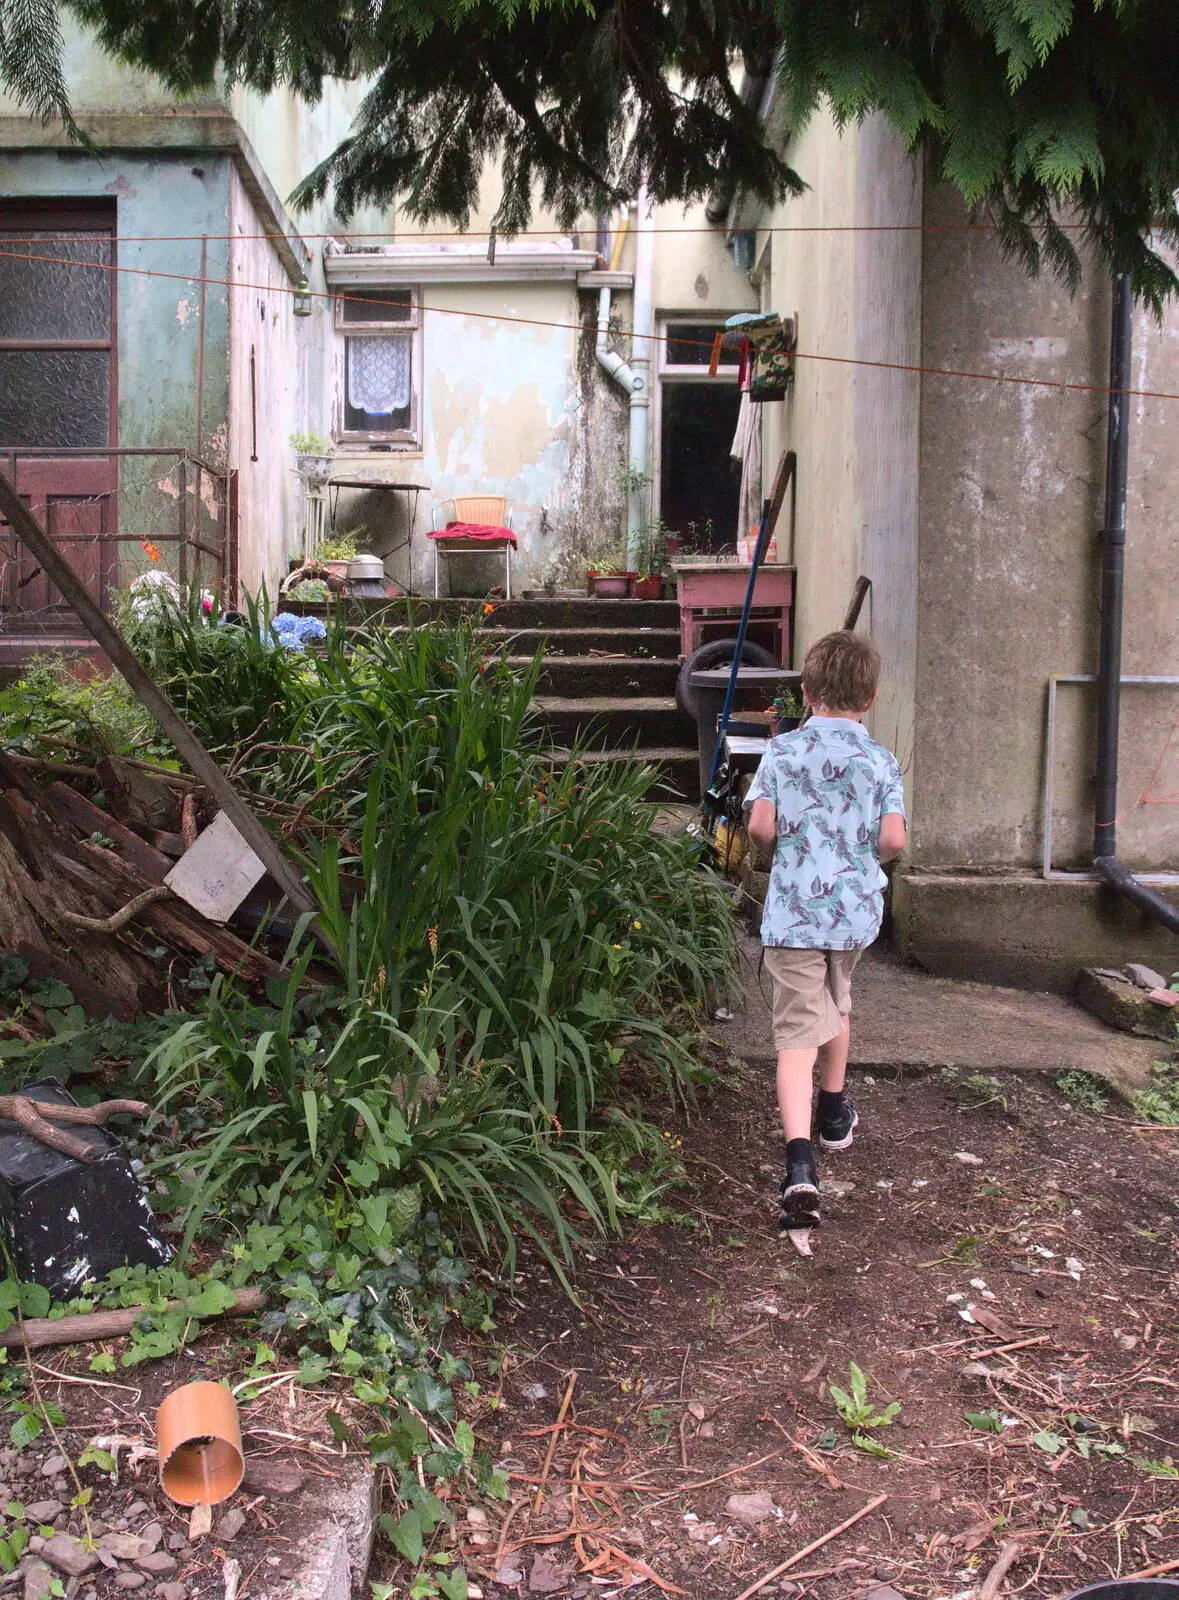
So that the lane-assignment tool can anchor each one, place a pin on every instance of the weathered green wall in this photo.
(185, 195)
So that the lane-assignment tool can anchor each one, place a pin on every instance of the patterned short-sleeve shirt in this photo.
(830, 784)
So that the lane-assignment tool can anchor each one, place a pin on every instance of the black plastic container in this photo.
(68, 1221)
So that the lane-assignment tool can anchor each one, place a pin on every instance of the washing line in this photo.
(1061, 385)
(405, 237)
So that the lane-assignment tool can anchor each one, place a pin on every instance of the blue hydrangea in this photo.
(293, 632)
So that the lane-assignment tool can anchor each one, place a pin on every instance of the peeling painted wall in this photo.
(268, 380)
(158, 317)
(499, 416)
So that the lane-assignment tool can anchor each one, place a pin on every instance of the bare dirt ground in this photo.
(1015, 1261)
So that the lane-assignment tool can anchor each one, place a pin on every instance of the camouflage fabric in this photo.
(830, 784)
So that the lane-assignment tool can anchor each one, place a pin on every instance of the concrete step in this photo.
(679, 768)
(658, 643)
(614, 722)
(576, 677)
(543, 614)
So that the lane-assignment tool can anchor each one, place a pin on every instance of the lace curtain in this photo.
(379, 373)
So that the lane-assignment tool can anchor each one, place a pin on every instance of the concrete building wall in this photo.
(854, 428)
(1012, 485)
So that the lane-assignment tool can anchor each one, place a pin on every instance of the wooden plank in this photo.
(104, 632)
(89, 818)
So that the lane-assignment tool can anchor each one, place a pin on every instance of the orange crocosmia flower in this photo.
(152, 551)
(488, 609)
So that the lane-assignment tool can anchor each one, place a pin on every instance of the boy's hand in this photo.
(762, 826)
(890, 841)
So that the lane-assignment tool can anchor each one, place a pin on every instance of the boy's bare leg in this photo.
(795, 1069)
(832, 1060)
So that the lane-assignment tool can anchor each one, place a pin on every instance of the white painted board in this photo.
(217, 873)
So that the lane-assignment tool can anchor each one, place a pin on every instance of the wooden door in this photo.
(58, 403)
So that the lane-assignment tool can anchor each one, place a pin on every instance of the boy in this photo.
(831, 802)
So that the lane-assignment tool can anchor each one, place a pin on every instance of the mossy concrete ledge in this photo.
(1022, 930)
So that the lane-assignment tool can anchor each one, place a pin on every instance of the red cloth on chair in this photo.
(483, 531)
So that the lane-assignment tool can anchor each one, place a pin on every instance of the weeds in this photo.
(860, 1415)
(976, 1090)
(1160, 1103)
(1084, 1091)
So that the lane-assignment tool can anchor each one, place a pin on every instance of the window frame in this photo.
(403, 439)
(682, 372)
(43, 215)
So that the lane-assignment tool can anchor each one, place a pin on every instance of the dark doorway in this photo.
(699, 482)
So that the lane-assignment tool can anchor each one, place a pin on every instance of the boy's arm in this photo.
(890, 840)
(763, 823)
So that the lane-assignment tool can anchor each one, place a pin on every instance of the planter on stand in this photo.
(315, 469)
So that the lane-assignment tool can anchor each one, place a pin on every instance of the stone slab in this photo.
(330, 1558)
(1123, 1005)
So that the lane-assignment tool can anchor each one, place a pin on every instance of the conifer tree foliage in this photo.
(1035, 109)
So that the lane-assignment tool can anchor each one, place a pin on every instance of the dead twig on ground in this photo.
(815, 1544)
(538, 1501)
(1151, 1572)
(993, 1582)
(809, 1456)
(37, 1118)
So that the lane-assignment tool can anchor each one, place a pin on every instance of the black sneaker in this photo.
(799, 1192)
(837, 1121)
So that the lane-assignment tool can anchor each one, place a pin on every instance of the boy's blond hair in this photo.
(841, 671)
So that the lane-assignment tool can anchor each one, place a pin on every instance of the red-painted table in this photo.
(712, 594)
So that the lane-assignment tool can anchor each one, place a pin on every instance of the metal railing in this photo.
(123, 519)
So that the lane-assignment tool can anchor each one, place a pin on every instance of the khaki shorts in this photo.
(812, 994)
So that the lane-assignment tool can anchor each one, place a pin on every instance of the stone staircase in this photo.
(608, 676)
(608, 680)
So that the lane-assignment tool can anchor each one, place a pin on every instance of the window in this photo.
(56, 326)
(687, 347)
(381, 374)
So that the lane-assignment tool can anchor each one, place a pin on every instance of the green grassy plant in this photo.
(1083, 1090)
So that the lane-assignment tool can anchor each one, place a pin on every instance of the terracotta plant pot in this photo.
(200, 1444)
(650, 588)
(611, 585)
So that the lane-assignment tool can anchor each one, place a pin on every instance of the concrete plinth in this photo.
(1023, 930)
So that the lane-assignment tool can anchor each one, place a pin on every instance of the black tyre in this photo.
(717, 653)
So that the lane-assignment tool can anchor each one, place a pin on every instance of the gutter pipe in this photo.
(1109, 671)
(633, 376)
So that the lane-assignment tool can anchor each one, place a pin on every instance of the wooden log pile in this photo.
(82, 892)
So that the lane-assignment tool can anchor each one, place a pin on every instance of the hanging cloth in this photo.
(378, 374)
(746, 448)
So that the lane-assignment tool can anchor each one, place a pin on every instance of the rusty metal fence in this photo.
(116, 515)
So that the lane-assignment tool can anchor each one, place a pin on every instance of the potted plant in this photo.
(607, 573)
(313, 458)
(648, 582)
(789, 710)
(336, 551)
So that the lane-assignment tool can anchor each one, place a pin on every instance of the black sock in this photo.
(798, 1150)
(830, 1102)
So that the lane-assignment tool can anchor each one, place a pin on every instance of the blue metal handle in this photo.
(759, 551)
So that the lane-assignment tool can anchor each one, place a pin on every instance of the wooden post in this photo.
(201, 764)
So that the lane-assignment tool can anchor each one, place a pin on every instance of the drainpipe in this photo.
(1109, 671)
(633, 376)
